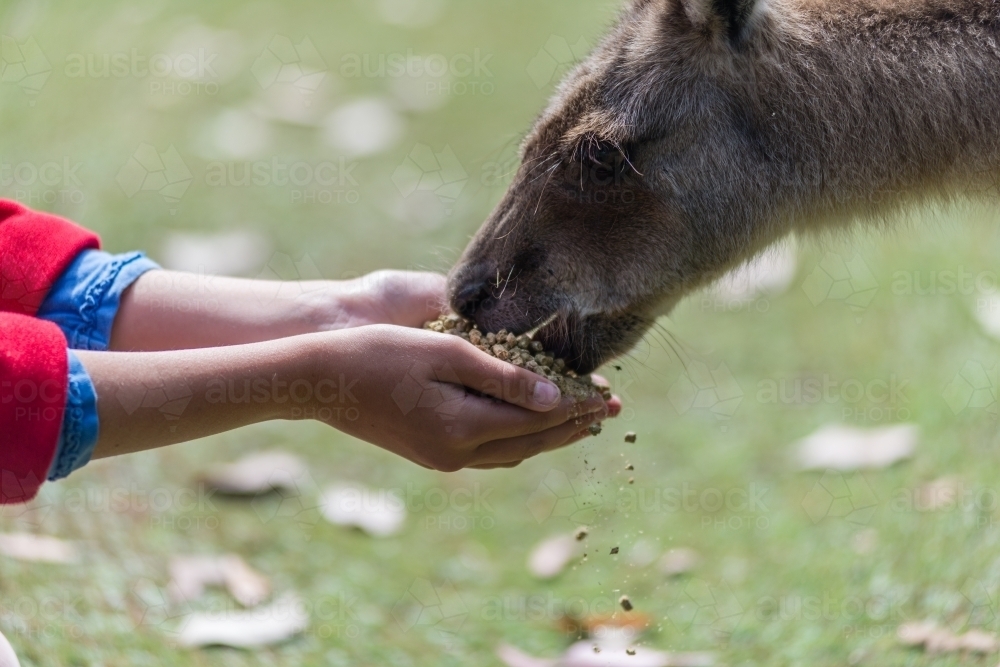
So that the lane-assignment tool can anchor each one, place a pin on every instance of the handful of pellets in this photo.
(524, 352)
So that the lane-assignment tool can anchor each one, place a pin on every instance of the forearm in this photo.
(170, 310)
(150, 400)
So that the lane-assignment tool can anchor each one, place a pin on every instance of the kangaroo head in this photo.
(636, 185)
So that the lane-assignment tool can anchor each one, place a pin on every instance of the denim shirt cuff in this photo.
(85, 299)
(80, 427)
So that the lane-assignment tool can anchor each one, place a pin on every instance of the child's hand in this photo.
(404, 298)
(438, 401)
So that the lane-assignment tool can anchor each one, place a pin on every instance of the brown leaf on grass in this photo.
(551, 556)
(262, 626)
(621, 627)
(189, 575)
(836, 447)
(375, 511)
(679, 561)
(38, 548)
(591, 654)
(7, 656)
(935, 639)
(258, 473)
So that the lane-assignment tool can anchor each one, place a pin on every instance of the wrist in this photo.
(323, 386)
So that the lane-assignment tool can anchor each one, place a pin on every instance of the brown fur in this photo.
(701, 131)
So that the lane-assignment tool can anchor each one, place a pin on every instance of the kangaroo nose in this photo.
(469, 297)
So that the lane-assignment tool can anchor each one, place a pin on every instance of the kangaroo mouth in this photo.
(570, 339)
(587, 342)
(583, 341)
(564, 334)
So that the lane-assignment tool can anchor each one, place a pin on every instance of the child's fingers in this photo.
(614, 406)
(524, 447)
(581, 435)
(494, 421)
(501, 380)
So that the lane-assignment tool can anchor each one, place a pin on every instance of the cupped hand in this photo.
(443, 404)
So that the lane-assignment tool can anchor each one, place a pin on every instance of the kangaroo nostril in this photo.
(468, 298)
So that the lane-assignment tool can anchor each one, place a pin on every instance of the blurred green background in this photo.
(140, 120)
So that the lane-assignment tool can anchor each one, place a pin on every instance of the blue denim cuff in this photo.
(80, 426)
(84, 300)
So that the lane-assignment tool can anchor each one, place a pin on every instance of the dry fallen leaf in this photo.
(258, 473)
(37, 548)
(191, 574)
(551, 556)
(583, 654)
(262, 626)
(837, 447)
(936, 639)
(376, 512)
(678, 561)
(617, 627)
(7, 656)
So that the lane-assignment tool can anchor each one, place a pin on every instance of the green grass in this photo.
(792, 589)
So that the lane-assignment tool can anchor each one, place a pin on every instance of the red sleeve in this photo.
(33, 378)
(35, 248)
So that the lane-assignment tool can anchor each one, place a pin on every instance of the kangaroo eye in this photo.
(605, 154)
(602, 154)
